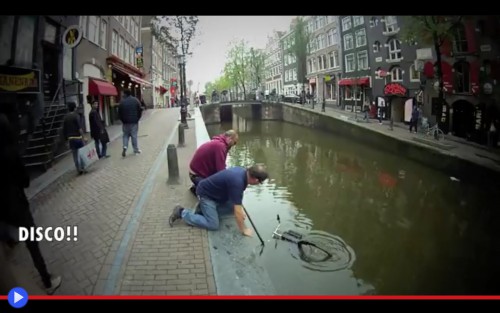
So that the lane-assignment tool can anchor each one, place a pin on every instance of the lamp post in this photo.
(182, 78)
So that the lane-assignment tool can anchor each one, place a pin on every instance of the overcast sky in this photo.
(216, 32)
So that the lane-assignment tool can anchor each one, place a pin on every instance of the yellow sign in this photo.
(72, 36)
(15, 83)
(328, 78)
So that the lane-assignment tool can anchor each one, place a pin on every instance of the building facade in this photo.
(290, 83)
(355, 83)
(392, 63)
(273, 68)
(107, 62)
(324, 61)
(32, 49)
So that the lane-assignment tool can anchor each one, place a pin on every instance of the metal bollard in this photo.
(180, 131)
(173, 165)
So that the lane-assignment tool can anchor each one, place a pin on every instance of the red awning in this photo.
(354, 81)
(99, 87)
(141, 81)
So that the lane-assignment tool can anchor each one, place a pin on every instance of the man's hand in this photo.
(248, 232)
(240, 216)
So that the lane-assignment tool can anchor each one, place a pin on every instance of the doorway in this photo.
(50, 71)
(463, 119)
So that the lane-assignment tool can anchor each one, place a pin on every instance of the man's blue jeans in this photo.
(130, 130)
(210, 210)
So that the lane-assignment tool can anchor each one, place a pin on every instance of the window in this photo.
(25, 40)
(83, 25)
(363, 60)
(121, 19)
(348, 42)
(104, 29)
(460, 39)
(414, 74)
(114, 43)
(346, 23)
(132, 55)
(396, 74)
(322, 41)
(350, 66)
(330, 19)
(360, 38)
(6, 35)
(391, 24)
(462, 77)
(93, 33)
(334, 59)
(358, 20)
(120, 47)
(376, 46)
(332, 37)
(377, 73)
(394, 50)
(136, 32)
(373, 21)
(294, 75)
(309, 66)
(320, 63)
(50, 33)
(127, 23)
(126, 52)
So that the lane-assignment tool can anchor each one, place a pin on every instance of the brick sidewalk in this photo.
(119, 228)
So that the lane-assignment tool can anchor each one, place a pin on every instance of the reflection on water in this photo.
(399, 227)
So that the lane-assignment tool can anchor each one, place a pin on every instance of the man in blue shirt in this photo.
(222, 193)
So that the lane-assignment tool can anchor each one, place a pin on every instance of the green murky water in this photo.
(392, 226)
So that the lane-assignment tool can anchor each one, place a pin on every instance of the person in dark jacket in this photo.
(98, 131)
(210, 157)
(130, 113)
(15, 209)
(73, 133)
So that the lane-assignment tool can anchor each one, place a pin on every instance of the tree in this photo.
(176, 33)
(300, 48)
(434, 30)
(236, 69)
(256, 60)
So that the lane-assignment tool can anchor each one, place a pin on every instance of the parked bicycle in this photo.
(435, 132)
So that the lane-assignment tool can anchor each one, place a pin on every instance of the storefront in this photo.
(103, 92)
(355, 92)
(396, 98)
(125, 76)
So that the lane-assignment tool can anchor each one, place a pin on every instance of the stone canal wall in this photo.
(426, 153)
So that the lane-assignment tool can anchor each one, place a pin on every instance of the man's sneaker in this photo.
(55, 282)
(176, 215)
(124, 152)
(138, 152)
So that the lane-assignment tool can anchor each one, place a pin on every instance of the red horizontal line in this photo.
(465, 297)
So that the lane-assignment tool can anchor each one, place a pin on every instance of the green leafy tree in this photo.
(256, 60)
(236, 68)
(301, 38)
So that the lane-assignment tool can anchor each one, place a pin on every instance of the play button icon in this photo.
(17, 297)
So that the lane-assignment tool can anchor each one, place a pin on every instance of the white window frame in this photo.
(390, 25)
(84, 25)
(346, 23)
(364, 54)
(345, 42)
(360, 34)
(358, 20)
(114, 43)
(347, 58)
(93, 36)
(414, 74)
(394, 50)
(103, 34)
(396, 74)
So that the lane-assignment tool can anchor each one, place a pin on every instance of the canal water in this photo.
(389, 225)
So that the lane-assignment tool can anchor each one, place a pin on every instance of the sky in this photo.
(216, 33)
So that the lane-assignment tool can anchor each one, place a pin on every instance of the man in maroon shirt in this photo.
(210, 157)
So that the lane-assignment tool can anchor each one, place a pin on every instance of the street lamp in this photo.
(182, 78)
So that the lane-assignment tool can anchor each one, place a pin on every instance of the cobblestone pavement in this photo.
(121, 208)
